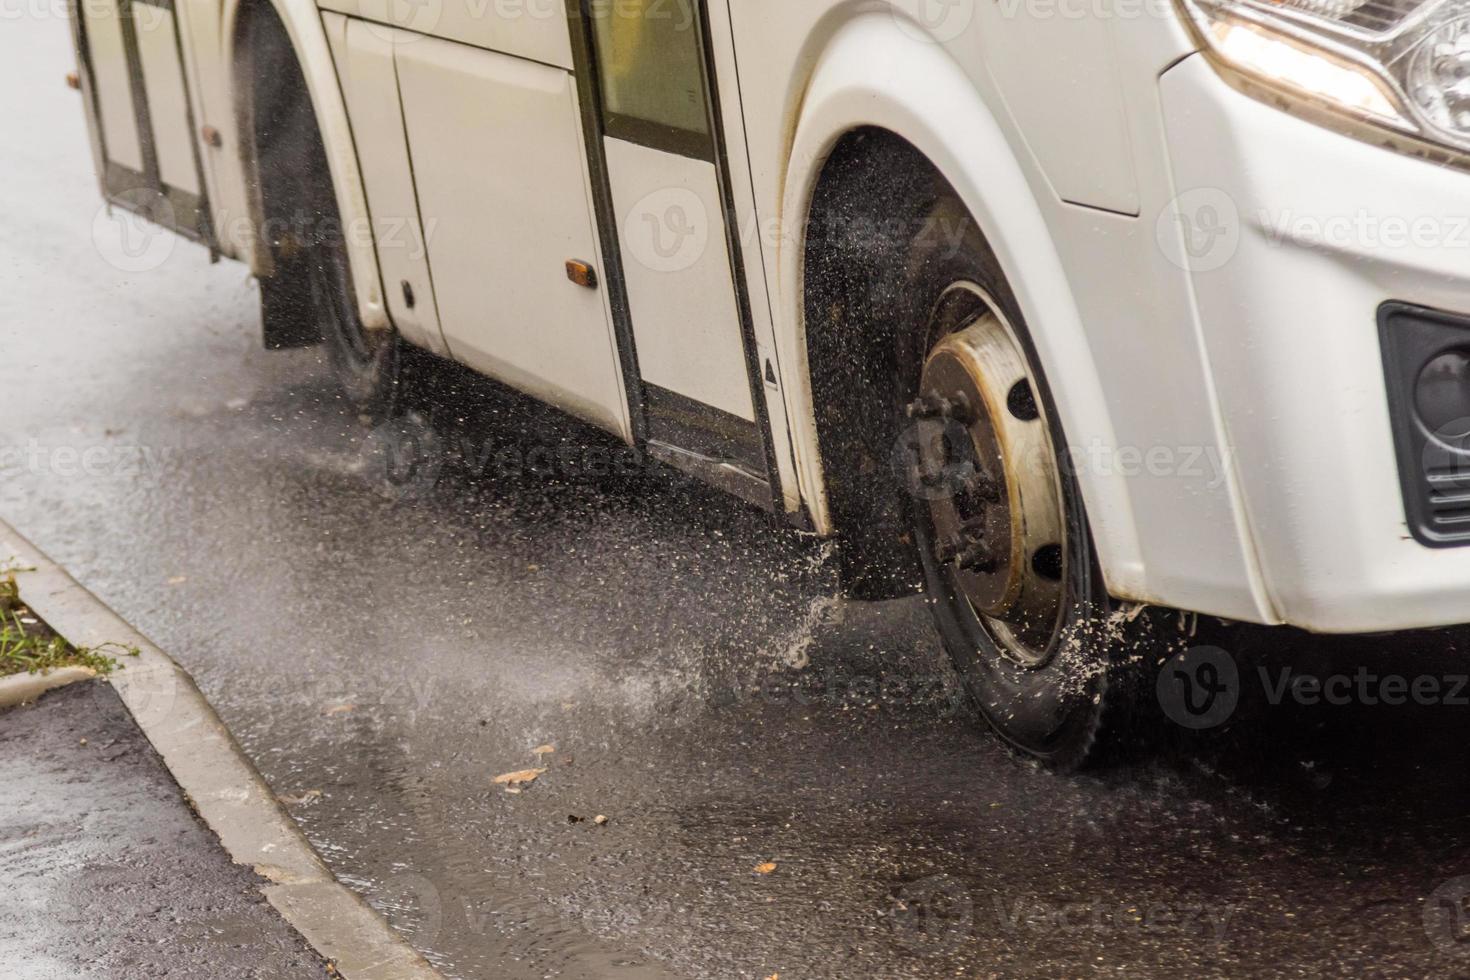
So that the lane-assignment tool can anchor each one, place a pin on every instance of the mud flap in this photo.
(287, 314)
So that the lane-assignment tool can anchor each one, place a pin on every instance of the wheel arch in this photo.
(873, 78)
(303, 31)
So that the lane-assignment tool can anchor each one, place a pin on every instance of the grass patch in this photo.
(28, 646)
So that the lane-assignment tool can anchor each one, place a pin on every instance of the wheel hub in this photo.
(983, 464)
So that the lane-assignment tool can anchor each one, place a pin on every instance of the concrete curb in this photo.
(25, 688)
(225, 789)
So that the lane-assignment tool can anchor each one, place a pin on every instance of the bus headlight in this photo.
(1403, 65)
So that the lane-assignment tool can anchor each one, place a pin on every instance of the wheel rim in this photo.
(983, 465)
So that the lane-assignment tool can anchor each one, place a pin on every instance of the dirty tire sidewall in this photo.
(366, 363)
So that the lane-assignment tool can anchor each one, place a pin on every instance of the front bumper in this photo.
(1293, 236)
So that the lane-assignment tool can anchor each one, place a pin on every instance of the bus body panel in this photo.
(496, 147)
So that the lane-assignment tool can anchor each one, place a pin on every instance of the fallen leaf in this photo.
(178, 580)
(765, 867)
(303, 798)
(543, 750)
(339, 709)
(512, 779)
(774, 976)
(599, 819)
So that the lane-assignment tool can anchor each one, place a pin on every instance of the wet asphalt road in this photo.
(108, 872)
(700, 684)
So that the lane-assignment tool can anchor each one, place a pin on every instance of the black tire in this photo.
(367, 363)
(1083, 700)
(309, 297)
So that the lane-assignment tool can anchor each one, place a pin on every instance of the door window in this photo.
(650, 66)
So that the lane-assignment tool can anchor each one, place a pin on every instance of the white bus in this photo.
(1055, 309)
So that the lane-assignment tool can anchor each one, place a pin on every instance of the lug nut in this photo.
(925, 407)
(961, 410)
(929, 406)
(969, 549)
(977, 558)
(981, 488)
(973, 530)
(947, 551)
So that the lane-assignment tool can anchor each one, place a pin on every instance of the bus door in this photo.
(695, 373)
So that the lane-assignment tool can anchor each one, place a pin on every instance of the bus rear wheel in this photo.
(366, 362)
